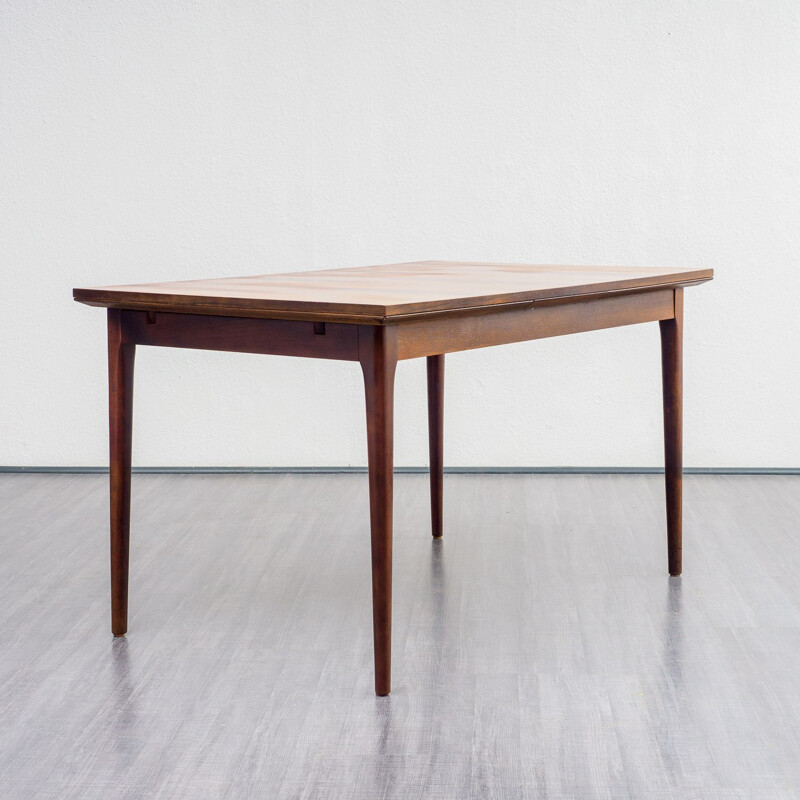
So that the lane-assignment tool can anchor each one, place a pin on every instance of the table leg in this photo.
(120, 407)
(436, 438)
(377, 346)
(672, 378)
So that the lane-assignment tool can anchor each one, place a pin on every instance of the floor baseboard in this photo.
(413, 470)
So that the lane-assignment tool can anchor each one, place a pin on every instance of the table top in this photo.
(386, 293)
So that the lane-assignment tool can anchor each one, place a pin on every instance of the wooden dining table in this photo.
(376, 316)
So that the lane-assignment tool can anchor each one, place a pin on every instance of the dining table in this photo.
(376, 316)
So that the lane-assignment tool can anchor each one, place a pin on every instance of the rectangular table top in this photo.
(386, 293)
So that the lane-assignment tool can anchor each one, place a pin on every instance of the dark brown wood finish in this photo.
(243, 335)
(672, 378)
(376, 316)
(121, 354)
(378, 357)
(435, 369)
(525, 321)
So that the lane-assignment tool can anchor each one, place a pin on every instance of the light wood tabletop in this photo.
(388, 292)
(377, 316)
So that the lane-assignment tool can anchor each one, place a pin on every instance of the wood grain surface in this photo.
(385, 293)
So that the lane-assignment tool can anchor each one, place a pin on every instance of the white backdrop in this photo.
(152, 141)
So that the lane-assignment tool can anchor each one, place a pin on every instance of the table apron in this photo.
(415, 338)
(493, 327)
(242, 334)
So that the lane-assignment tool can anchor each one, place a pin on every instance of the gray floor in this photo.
(540, 649)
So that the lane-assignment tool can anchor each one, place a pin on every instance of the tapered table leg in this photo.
(436, 439)
(377, 347)
(120, 407)
(672, 379)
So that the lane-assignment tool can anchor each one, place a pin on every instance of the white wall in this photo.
(152, 141)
